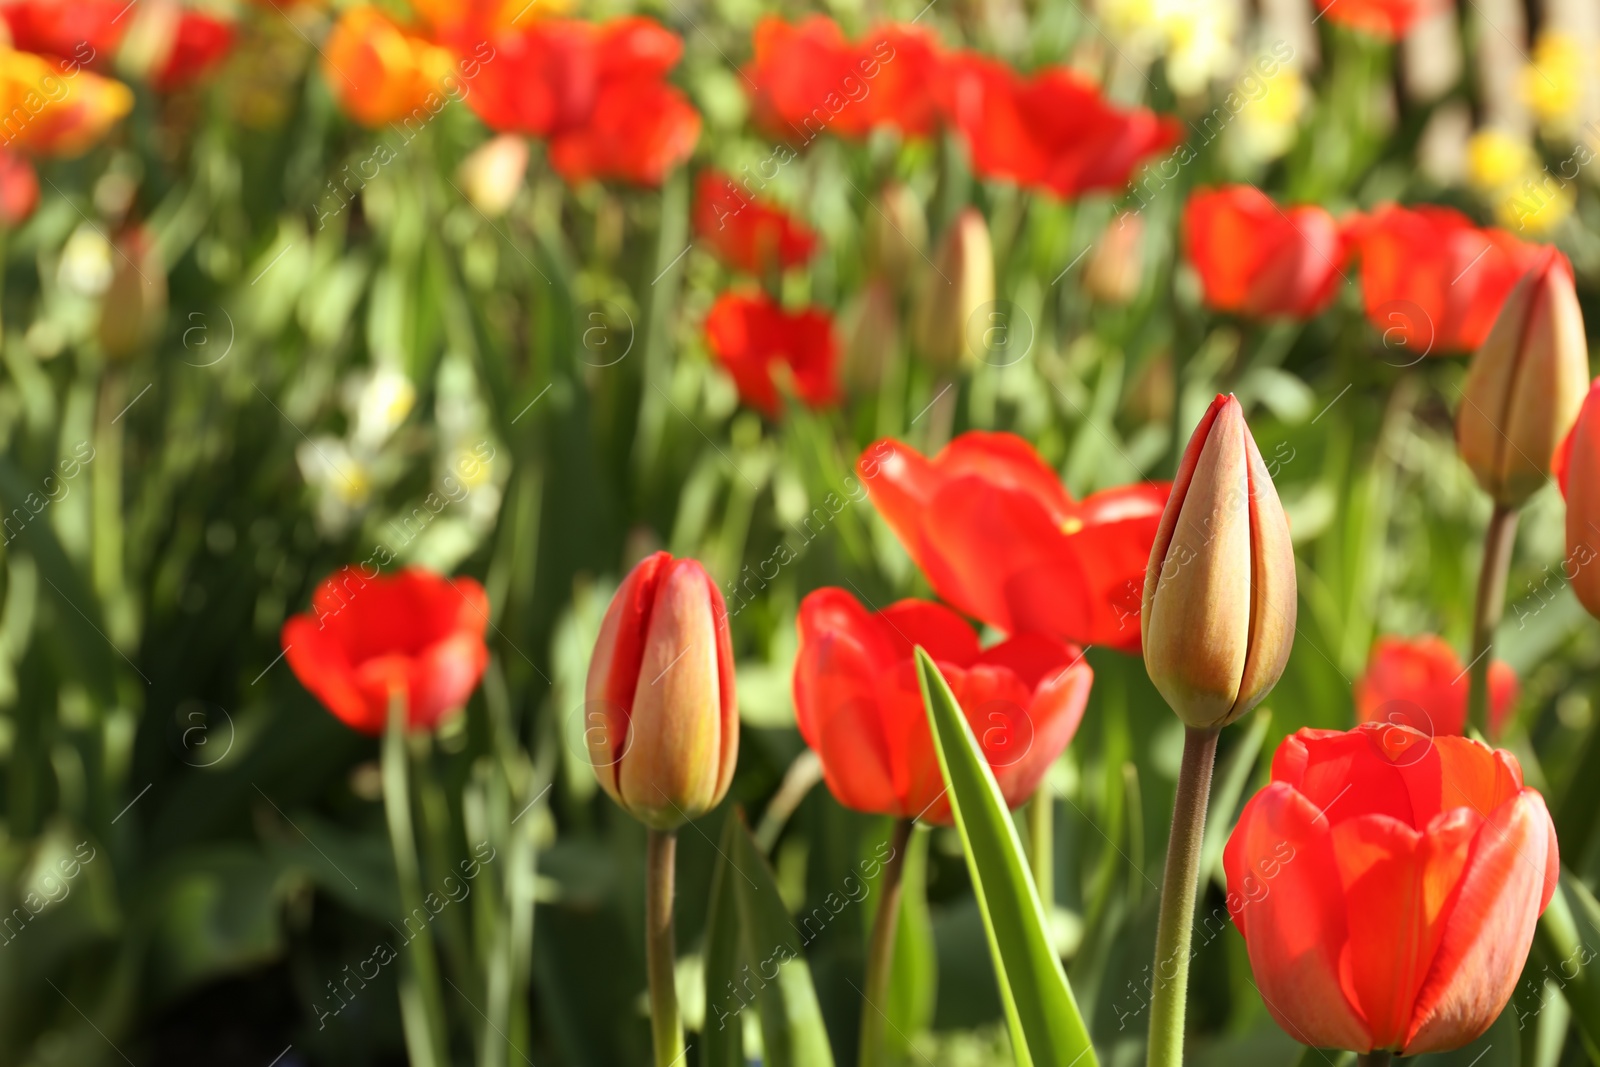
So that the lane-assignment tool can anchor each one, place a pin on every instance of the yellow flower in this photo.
(1553, 83)
(1496, 160)
(52, 107)
(1270, 118)
(1537, 206)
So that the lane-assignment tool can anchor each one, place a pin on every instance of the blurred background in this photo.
(289, 286)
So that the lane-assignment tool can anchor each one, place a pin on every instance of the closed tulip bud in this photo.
(1219, 595)
(135, 303)
(492, 175)
(1525, 384)
(1576, 466)
(1117, 266)
(663, 725)
(872, 336)
(954, 293)
(896, 235)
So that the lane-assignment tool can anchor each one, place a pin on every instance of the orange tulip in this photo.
(1419, 682)
(1387, 885)
(50, 108)
(1576, 468)
(378, 71)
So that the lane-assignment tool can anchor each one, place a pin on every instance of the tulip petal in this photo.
(614, 669)
(1274, 601)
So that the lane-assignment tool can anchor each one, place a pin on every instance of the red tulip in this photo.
(1051, 131)
(1576, 467)
(596, 91)
(1390, 19)
(745, 233)
(858, 706)
(1419, 682)
(1257, 259)
(79, 31)
(663, 722)
(1432, 281)
(200, 43)
(19, 189)
(753, 337)
(808, 79)
(365, 639)
(1387, 885)
(999, 537)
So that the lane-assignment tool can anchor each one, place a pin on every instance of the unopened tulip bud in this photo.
(872, 336)
(662, 722)
(1577, 469)
(896, 235)
(135, 303)
(954, 292)
(1525, 384)
(1117, 266)
(492, 175)
(1219, 594)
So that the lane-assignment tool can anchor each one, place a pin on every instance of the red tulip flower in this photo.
(1419, 682)
(1576, 467)
(808, 79)
(414, 633)
(999, 537)
(662, 719)
(1432, 281)
(1389, 19)
(200, 43)
(596, 91)
(1387, 884)
(746, 233)
(859, 708)
(753, 337)
(1257, 259)
(19, 188)
(1052, 131)
(81, 31)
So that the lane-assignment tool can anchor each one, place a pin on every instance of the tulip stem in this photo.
(1041, 843)
(1376, 1058)
(666, 1027)
(1497, 544)
(1178, 888)
(880, 951)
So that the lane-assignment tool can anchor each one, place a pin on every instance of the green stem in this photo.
(1379, 1058)
(1497, 543)
(421, 1009)
(1175, 924)
(880, 952)
(666, 1027)
(1042, 841)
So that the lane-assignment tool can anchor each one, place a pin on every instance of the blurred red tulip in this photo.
(1387, 885)
(199, 45)
(997, 536)
(596, 91)
(1419, 682)
(1576, 467)
(745, 233)
(753, 337)
(1052, 131)
(662, 718)
(83, 31)
(1433, 281)
(808, 79)
(858, 705)
(1257, 259)
(413, 632)
(19, 188)
(1389, 19)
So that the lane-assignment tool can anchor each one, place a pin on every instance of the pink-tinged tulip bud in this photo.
(491, 175)
(663, 725)
(872, 336)
(1116, 269)
(1576, 467)
(1219, 594)
(1525, 384)
(955, 291)
(896, 235)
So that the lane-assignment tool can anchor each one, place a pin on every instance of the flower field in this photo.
(709, 533)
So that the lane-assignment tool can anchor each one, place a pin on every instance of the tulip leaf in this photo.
(1046, 1027)
(1562, 947)
(753, 943)
(913, 982)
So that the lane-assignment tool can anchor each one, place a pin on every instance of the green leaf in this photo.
(1046, 1027)
(1561, 945)
(1233, 775)
(913, 982)
(721, 1034)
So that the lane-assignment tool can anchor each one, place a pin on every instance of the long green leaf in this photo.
(1561, 946)
(722, 1043)
(1047, 1028)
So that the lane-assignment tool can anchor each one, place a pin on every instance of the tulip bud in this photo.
(135, 304)
(872, 336)
(1117, 266)
(1219, 595)
(1525, 384)
(1577, 469)
(492, 175)
(896, 235)
(957, 288)
(663, 725)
